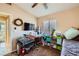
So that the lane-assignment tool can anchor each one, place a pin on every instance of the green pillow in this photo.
(71, 33)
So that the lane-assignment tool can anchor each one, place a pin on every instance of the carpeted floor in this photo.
(40, 51)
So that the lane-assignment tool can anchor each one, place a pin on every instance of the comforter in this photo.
(70, 48)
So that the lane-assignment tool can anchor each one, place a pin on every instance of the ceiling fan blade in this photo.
(9, 3)
(34, 5)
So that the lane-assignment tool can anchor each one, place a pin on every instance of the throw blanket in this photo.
(70, 48)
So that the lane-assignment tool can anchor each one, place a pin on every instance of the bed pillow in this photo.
(71, 33)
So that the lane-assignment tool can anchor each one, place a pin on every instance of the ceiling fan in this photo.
(9, 3)
(44, 4)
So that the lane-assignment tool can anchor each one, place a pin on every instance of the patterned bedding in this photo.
(70, 48)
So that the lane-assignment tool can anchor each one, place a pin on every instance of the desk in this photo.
(37, 39)
(26, 43)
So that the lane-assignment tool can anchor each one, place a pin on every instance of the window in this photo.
(49, 25)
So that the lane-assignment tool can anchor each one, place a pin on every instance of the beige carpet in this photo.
(40, 51)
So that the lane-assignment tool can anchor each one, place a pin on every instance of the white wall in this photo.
(16, 12)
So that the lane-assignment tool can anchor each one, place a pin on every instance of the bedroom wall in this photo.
(16, 12)
(65, 19)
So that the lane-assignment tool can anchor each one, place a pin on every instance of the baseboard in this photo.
(11, 52)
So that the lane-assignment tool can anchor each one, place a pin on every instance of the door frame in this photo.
(8, 39)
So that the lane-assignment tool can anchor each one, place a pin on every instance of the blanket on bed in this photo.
(70, 48)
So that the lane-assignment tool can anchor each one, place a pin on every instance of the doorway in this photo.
(4, 35)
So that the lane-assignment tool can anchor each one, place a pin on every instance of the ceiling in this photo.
(39, 10)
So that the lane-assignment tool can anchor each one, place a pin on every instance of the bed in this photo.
(70, 45)
(70, 48)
